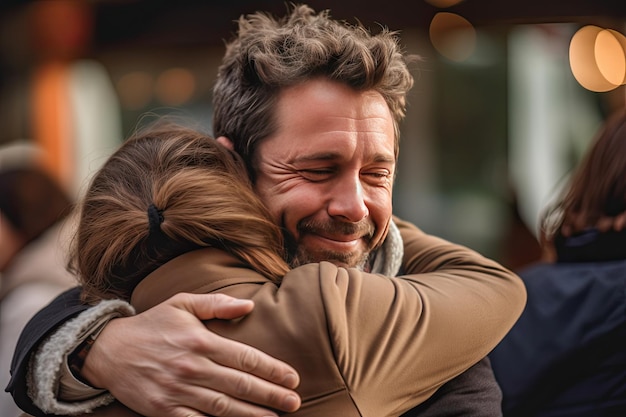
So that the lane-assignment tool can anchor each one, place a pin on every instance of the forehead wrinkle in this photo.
(367, 118)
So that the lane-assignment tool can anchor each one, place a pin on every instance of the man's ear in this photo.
(226, 142)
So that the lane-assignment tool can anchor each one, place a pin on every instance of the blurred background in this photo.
(508, 93)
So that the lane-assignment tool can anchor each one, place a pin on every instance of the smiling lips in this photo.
(341, 243)
(335, 238)
(341, 239)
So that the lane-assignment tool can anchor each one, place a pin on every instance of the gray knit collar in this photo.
(387, 259)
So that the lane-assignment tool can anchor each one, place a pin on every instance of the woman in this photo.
(180, 205)
(576, 311)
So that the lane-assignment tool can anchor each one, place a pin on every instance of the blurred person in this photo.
(74, 112)
(34, 213)
(566, 356)
(188, 221)
(319, 134)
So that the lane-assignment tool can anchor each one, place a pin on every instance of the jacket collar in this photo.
(591, 245)
(199, 272)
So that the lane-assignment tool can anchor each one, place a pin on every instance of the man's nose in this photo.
(348, 200)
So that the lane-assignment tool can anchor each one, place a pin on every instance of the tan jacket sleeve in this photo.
(382, 344)
(401, 338)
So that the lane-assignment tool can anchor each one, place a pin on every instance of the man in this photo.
(313, 107)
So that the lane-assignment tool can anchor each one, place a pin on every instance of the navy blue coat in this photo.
(566, 356)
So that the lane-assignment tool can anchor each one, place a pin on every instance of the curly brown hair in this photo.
(270, 54)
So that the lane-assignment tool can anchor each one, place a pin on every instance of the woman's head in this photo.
(166, 191)
(596, 194)
(271, 54)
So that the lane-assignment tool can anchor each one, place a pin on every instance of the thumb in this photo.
(216, 306)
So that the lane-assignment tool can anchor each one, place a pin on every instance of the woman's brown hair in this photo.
(597, 188)
(168, 190)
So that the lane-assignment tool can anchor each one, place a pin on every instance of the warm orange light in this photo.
(583, 59)
(609, 56)
(452, 36)
(175, 86)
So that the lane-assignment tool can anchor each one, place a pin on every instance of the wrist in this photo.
(78, 358)
(52, 386)
(94, 363)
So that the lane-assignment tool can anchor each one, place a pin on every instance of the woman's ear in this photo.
(223, 140)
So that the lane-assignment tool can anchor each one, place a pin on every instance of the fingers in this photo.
(230, 353)
(232, 375)
(211, 306)
(217, 404)
(238, 385)
(165, 361)
(249, 360)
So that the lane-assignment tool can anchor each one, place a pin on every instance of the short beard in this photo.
(301, 257)
(297, 256)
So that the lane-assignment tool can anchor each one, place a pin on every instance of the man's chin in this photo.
(343, 260)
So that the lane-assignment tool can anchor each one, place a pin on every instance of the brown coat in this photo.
(364, 344)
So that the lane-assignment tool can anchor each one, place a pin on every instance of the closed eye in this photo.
(379, 177)
(378, 174)
(317, 174)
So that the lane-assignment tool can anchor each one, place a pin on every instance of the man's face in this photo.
(326, 175)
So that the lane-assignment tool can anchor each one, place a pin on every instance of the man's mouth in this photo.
(341, 238)
(333, 243)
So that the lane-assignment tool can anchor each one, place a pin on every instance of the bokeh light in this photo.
(598, 58)
(452, 36)
(175, 86)
(610, 56)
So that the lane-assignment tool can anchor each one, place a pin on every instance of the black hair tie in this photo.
(155, 218)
